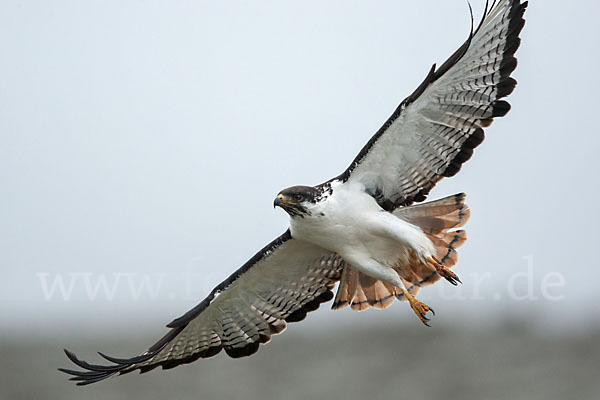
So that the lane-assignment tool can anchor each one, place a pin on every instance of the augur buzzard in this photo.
(361, 227)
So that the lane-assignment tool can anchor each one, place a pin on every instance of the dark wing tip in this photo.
(248, 350)
(92, 373)
(465, 152)
(309, 306)
(500, 108)
(513, 41)
(504, 87)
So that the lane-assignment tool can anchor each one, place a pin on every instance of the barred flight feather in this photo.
(281, 284)
(434, 130)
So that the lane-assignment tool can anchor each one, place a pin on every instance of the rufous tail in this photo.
(438, 219)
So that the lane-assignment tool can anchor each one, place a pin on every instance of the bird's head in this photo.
(298, 200)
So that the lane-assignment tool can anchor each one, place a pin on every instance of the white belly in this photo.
(351, 223)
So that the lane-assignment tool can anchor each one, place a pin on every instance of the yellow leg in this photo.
(444, 271)
(419, 308)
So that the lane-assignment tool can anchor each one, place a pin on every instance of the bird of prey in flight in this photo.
(361, 228)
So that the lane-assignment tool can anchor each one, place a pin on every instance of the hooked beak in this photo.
(278, 201)
(281, 201)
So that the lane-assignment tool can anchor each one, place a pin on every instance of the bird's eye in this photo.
(297, 197)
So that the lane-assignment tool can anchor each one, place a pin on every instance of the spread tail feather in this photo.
(437, 219)
(354, 290)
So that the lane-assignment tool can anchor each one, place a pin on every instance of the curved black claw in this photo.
(452, 281)
(450, 276)
(444, 271)
(421, 310)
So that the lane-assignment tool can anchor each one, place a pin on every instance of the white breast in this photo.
(352, 224)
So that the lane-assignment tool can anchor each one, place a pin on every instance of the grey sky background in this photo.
(145, 141)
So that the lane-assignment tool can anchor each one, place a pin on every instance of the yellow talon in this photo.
(419, 308)
(444, 271)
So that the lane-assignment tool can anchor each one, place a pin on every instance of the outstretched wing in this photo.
(435, 129)
(280, 284)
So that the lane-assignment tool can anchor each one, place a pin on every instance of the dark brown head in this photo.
(298, 200)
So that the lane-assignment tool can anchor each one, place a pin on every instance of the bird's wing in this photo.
(280, 284)
(435, 129)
